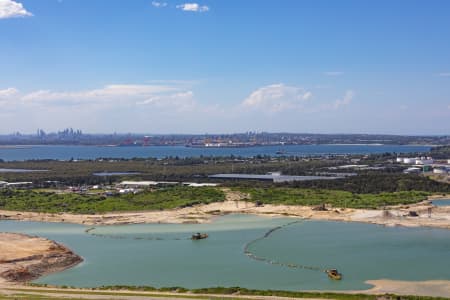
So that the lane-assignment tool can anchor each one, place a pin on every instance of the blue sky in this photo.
(225, 66)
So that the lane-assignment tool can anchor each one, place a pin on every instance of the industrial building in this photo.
(274, 177)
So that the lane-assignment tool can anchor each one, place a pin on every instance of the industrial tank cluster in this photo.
(415, 161)
(425, 164)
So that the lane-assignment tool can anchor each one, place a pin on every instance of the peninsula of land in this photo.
(24, 257)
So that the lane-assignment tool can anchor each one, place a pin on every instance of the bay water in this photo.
(93, 152)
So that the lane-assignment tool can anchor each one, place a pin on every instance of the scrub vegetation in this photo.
(311, 197)
(442, 152)
(382, 183)
(377, 182)
(179, 196)
(169, 169)
(160, 199)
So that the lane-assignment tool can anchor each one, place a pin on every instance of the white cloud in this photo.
(159, 4)
(182, 101)
(445, 74)
(6, 96)
(334, 73)
(8, 92)
(165, 106)
(276, 98)
(307, 96)
(346, 100)
(12, 9)
(194, 7)
(114, 92)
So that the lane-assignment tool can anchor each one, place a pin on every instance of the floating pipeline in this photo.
(246, 247)
(274, 262)
(91, 231)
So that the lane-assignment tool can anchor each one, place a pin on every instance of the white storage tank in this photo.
(424, 161)
(409, 160)
(439, 171)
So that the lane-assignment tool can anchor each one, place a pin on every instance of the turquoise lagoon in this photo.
(162, 255)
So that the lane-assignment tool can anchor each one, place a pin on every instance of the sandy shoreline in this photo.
(433, 288)
(392, 216)
(24, 257)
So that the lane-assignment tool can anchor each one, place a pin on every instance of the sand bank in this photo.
(433, 288)
(427, 214)
(395, 216)
(24, 257)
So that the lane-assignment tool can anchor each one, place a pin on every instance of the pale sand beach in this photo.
(433, 288)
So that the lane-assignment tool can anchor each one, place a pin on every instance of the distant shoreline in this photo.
(15, 146)
(20, 146)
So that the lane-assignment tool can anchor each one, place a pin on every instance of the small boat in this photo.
(280, 152)
(199, 236)
(334, 274)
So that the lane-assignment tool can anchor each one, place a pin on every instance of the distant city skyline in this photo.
(211, 66)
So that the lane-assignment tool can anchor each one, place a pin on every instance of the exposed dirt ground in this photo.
(24, 257)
